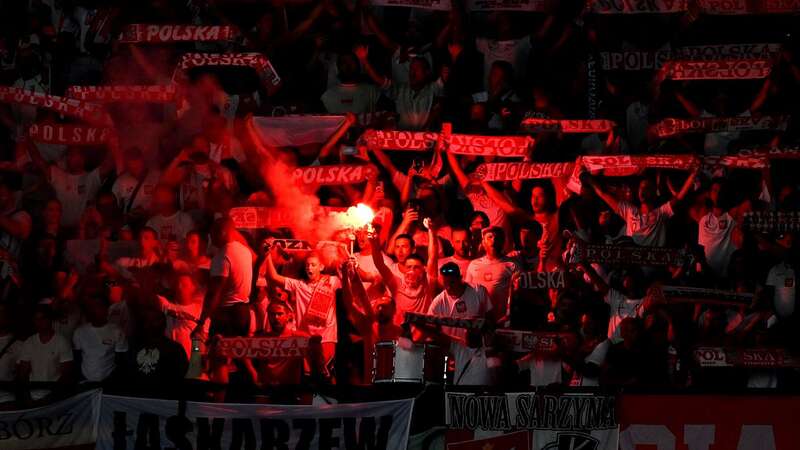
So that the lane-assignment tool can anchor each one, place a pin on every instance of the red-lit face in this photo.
(538, 200)
(461, 243)
(402, 249)
(415, 273)
(313, 268)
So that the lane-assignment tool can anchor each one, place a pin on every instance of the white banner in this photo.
(569, 421)
(296, 130)
(437, 5)
(135, 423)
(638, 6)
(70, 423)
(507, 5)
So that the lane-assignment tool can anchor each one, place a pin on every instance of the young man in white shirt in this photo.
(458, 299)
(350, 95)
(627, 301)
(170, 223)
(718, 232)
(100, 344)
(134, 189)
(782, 279)
(183, 311)
(493, 270)
(462, 248)
(646, 223)
(45, 356)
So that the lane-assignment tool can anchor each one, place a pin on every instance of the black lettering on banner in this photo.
(593, 414)
(580, 406)
(120, 433)
(242, 435)
(308, 429)
(550, 414)
(148, 432)
(44, 423)
(456, 408)
(209, 436)
(22, 428)
(367, 438)
(274, 434)
(327, 441)
(564, 417)
(522, 420)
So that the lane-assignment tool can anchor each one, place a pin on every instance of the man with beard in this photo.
(462, 250)
(493, 270)
(413, 290)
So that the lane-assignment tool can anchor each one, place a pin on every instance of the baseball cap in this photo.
(450, 269)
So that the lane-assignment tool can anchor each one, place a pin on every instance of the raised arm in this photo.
(433, 259)
(687, 104)
(598, 283)
(362, 53)
(271, 273)
(609, 199)
(455, 167)
(325, 152)
(386, 41)
(377, 259)
(41, 164)
(762, 96)
(409, 217)
(501, 200)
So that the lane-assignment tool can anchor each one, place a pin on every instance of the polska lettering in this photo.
(262, 347)
(439, 5)
(522, 171)
(638, 6)
(771, 221)
(542, 280)
(424, 319)
(568, 126)
(773, 153)
(743, 357)
(107, 94)
(292, 245)
(671, 127)
(257, 61)
(260, 217)
(69, 134)
(634, 60)
(703, 295)
(400, 140)
(740, 7)
(24, 429)
(139, 33)
(531, 411)
(611, 254)
(70, 107)
(509, 146)
(742, 69)
(334, 174)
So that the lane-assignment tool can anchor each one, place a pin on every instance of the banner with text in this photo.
(728, 69)
(256, 61)
(127, 93)
(531, 420)
(78, 135)
(507, 5)
(742, 7)
(137, 423)
(68, 424)
(436, 5)
(638, 6)
(138, 33)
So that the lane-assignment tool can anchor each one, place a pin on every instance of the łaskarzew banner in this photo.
(135, 423)
(68, 424)
(708, 422)
(531, 421)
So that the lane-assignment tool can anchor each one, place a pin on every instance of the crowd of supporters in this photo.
(121, 261)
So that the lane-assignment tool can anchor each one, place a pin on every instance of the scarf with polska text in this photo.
(638, 7)
(773, 153)
(672, 127)
(416, 141)
(727, 69)
(628, 255)
(510, 171)
(127, 94)
(771, 221)
(88, 112)
(746, 7)
(256, 61)
(532, 125)
(74, 135)
(138, 33)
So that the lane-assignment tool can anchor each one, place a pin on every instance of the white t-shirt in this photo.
(514, 51)
(596, 357)
(234, 262)
(473, 303)
(125, 185)
(543, 371)
(473, 367)
(46, 358)
(715, 235)
(621, 308)
(647, 230)
(783, 278)
(303, 293)
(357, 98)
(181, 321)
(414, 107)
(171, 228)
(494, 275)
(98, 347)
(75, 192)
(193, 190)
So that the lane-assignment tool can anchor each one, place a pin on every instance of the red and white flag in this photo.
(138, 33)
(256, 61)
(729, 69)
(338, 174)
(296, 130)
(88, 112)
(127, 94)
(77, 135)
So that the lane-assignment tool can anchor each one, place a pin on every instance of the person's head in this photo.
(362, 239)
(51, 214)
(541, 100)
(451, 278)
(461, 243)
(43, 319)
(647, 191)
(500, 76)
(46, 251)
(529, 235)
(493, 241)
(222, 231)
(403, 247)
(95, 310)
(385, 309)
(630, 330)
(418, 73)
(164, 200)
(148, 240)
(348, 67)
(194, 244)
(75, 160)
(106, 205)
(314, 267)
(415, 270)
(185, 288)
(478, 221)
(279, 316)
(541, 200)
(134, 162)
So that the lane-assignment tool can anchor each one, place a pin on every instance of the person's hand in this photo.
(410, 216)
(361, 51)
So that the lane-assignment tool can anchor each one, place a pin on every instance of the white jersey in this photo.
(715, 234)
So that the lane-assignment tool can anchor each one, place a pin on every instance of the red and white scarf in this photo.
(256, 61)
(338, 174)
(773, 153)
(728, 69)
(87, 112)
(79, 135)
(505, 146)
(507, 5)
(128, 94)
(638, 7)
(138, 33)
(568, 126)
(509, 171)
(672, 127)
(417, 141)
(743, 7)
